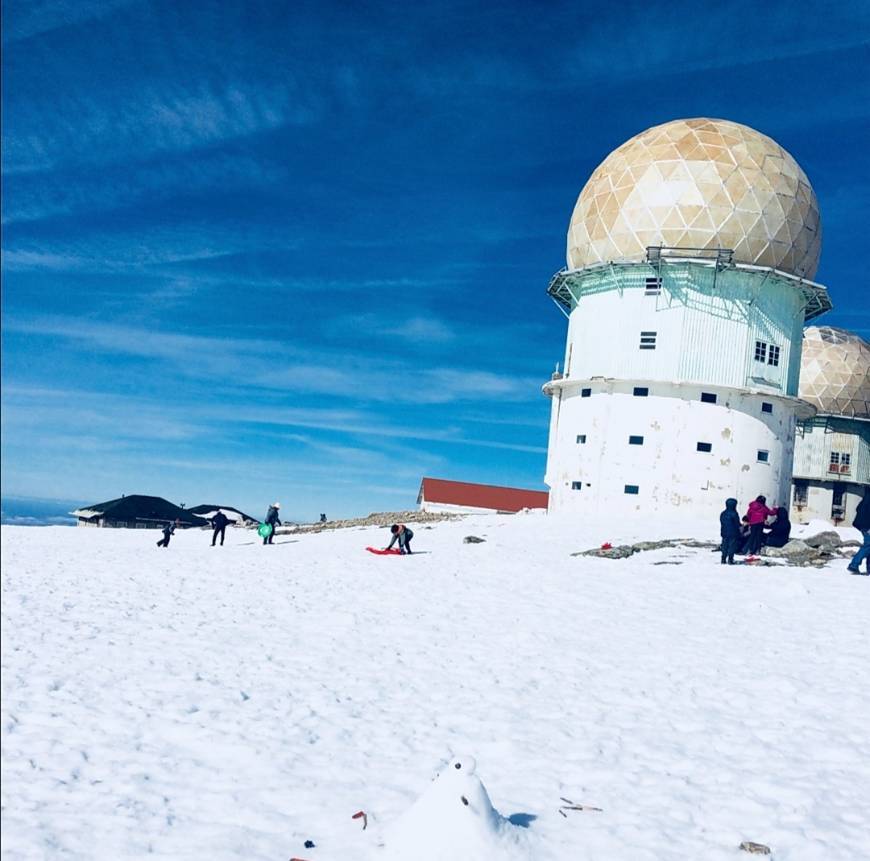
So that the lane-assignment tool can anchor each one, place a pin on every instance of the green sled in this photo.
(265, 530)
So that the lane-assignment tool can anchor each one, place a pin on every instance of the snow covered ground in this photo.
(211, 703)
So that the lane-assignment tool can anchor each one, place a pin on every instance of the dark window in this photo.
(632, 489)
(763, 456)
(635, 440)
(585, 393)
(640, 391)
(837, 498)
(581, 439)
(766, 407)
(760, 351)
(647, 340)
(801, 492)
(708, 398)
(705, 446)
(773, 355)
(576, 485)
(652, 286)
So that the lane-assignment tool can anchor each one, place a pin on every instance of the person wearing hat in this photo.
(273, 520)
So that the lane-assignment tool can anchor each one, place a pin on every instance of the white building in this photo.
(832, 450)
(690, 254)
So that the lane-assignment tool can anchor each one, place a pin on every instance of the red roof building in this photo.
(437, 494)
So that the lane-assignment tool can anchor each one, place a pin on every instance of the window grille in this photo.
(766, 407)
(632, 489)
(652, 286)
(760, 351)
(708, 398)
(705, 446)
(763, 456)
(773, 356)
(635, 440)
(841, 461)
(640, 391)
(647, 340)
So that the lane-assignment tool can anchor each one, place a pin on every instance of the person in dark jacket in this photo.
(779, 533)
(403, 535)
(729, 529)
(219, 524)
(273, 520)
(168, 532)
(862, 524)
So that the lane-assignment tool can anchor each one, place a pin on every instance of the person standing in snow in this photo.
(168, 532)
(862, 524)
(403, 535)
(219, 524)
(732, 537)
(273, 520)
(757, 514)
(780, 532)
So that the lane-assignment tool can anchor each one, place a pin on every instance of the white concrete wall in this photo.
(820, 497)
(667, 468)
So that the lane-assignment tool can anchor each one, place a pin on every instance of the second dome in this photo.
(698, 184)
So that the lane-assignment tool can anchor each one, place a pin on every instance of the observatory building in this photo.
(832, 449)
(691, 251)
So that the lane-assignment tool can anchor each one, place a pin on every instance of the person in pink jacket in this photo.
(756, 515)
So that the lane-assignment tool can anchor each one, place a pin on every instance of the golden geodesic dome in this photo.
(703, 184)
(835, 372)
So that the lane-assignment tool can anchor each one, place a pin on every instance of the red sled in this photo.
(378, 552)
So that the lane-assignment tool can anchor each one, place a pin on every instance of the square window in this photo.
(647, 340)
(585, 393)
(708, 398)
(652, 286)
(763, 456)
(576, 485)
(766, 407)
(705, 446)
(632, 489)
(635, 440)
(773, 355)
(760, 351)
(581, 439)
(640, 391)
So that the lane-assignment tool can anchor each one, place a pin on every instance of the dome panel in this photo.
(835, 372)
(690, 165)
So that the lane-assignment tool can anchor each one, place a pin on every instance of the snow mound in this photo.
(454, 818)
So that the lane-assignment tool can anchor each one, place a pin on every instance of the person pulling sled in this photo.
(272, 520)
(403, 535)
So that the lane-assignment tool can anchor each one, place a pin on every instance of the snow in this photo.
(234, 702)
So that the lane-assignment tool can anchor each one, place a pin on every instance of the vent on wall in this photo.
(647, 340)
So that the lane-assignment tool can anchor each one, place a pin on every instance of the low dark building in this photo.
(136, 512)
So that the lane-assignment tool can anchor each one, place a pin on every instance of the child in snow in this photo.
(403, 535)
(732, 536)
(757, 514)
(168, 532)
(780, 531)
(273, 520)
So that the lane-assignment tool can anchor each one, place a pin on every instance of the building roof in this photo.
(491, 496)
(209, 511)
(138, 507)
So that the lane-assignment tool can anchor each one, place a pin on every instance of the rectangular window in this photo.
(640, 391)
(773, 355)
(581, 439)
(763, 456)
(632, 489)
(635, 440)
(576, 485)
(652, 286)
(760, 351)
(647, 340)
(801, 493)
(585, 393)
(766, 407)
(708, 398)
(837, 497)
(705, 446)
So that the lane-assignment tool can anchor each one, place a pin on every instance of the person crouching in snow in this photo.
(757, 514)
(403, 535)
(732, 536)
(273, 521)
(168, 532)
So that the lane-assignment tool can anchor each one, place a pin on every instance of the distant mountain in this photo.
(33, 511)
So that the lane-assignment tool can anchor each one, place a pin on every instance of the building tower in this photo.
(690, 254)
(832, 449)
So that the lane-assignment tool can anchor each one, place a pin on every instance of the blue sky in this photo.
(300, 251)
